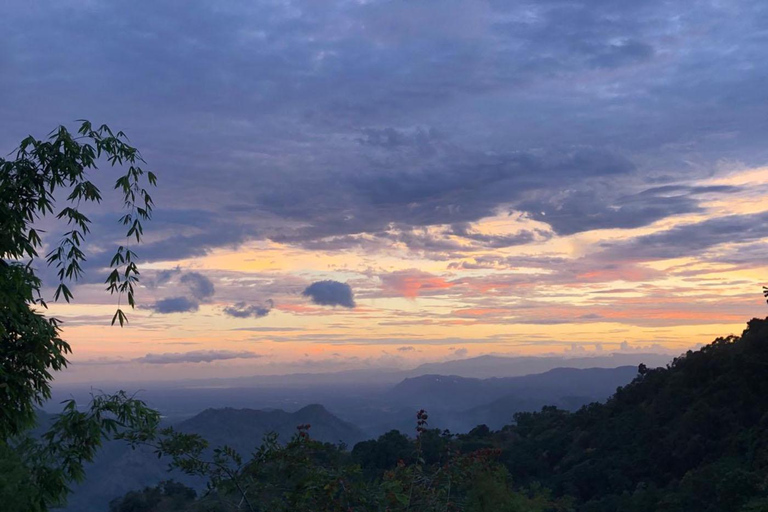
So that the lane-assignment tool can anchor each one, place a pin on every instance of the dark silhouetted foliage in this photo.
(35, 474)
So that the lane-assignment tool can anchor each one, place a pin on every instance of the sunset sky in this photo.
(369, 183)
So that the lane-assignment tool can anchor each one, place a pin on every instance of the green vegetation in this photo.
(35, 472)
(306, 475)
(693, 436)
(689, 437)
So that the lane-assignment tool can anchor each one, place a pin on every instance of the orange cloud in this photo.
(412, 283)
(297, 308)
(481, 312)
(619, 273)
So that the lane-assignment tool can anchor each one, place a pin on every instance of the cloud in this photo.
(525, 236)
(197, 356)
(175, 305)
(622, 53)
(461, 352)
(576, 349)
(162, 277)
(692, 239)
(604, 95)
(391, 138)
(599, 207)
(330, 293)
(243, 310)
(406, 349)
(412, 283)
(200, 287)
(456, 186)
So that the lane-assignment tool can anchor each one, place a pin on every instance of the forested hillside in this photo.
(693, 436)
(689, 437)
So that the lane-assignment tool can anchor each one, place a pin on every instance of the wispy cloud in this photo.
(197, 356)
(243, 310)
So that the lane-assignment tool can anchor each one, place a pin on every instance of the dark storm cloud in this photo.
(347, 117)
(330, 293)
(243, 310)
(175, 305)
(197, 356)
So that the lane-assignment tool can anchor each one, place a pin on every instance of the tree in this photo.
(31, 347)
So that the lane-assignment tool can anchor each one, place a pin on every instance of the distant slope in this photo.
(691, 437)
(484, 367)
(459, 404)
(353, 382)
(119, 469)
(243, 429)
(440, 391)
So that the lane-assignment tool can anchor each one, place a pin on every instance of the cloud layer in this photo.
(197, 356)
(549, 109)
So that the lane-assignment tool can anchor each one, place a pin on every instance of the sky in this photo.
(375, 184)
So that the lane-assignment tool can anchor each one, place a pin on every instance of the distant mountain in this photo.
(484, 367)
(372, 379)
(454, 392)
(243, 429)
(459, 403)
(118, 469)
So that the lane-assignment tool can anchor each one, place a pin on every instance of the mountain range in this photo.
(355, 413)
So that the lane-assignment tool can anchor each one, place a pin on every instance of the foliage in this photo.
(31, 348)
(167, 496)
(691, 436)
(42, 469)
(306, 475)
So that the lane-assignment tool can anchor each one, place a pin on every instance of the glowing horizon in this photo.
(366, 184)
(412, 310)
